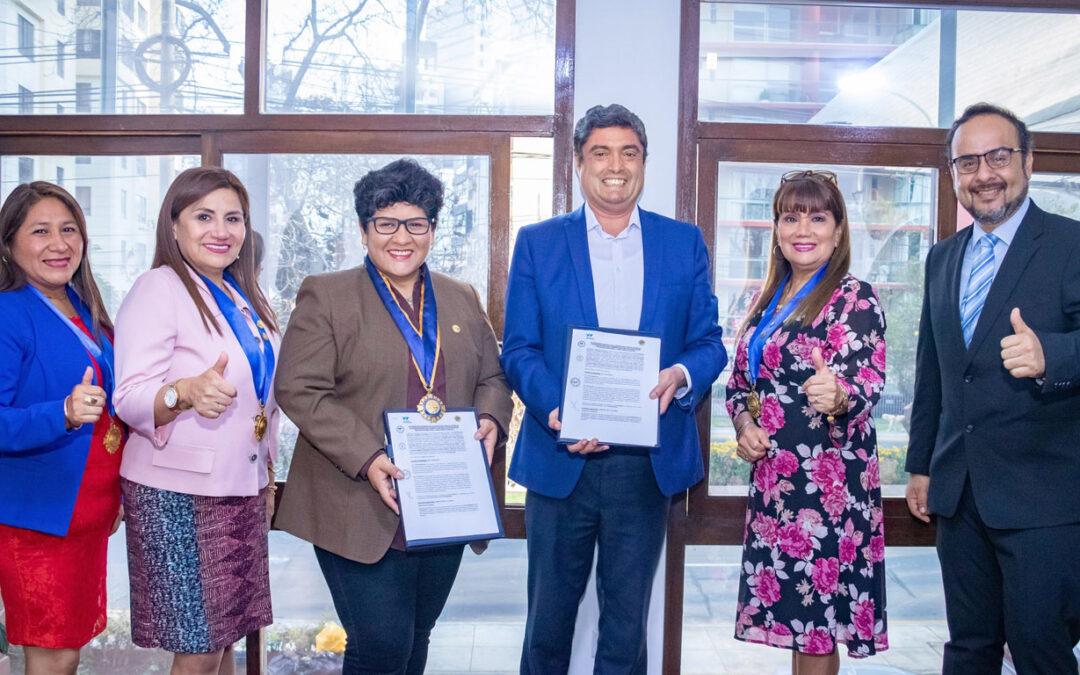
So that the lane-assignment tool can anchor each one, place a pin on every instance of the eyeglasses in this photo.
(998, 158)
(812, 174)
(388, 226)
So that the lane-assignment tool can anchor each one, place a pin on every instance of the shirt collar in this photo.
(1005, 231)
(591, 223)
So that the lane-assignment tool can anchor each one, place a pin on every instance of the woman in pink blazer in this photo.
(196, 344)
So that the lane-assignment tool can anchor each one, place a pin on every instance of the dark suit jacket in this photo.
(551, 287)
(1017, 439)
(343, 362)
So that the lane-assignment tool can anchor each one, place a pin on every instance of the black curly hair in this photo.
(400, 181)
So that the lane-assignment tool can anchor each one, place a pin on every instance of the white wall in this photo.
(627, 51)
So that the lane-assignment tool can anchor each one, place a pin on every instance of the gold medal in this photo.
(260, 425)
(753, 404)
(431, 407)
(113, 437)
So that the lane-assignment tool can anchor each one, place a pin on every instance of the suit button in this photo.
(969, 428)
(968, 379)
(253, 458)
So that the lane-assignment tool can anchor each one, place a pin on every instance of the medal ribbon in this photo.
(102, 353)
(425, 340)
(772, 319)
(260, 360)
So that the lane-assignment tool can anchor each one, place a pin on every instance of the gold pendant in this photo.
(260, 425)
(753, 404)
(430, 407)
(113, 437)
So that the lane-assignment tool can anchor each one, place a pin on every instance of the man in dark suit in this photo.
(608, 264)
(995, 424)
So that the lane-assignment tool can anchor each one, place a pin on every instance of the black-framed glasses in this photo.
(386, 225)
(998, 158)
(812, 174)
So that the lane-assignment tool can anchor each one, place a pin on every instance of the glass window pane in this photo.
(121, 243)
(890, 211)
(531, 186)
(303, 206)
(482, 624)
(122, 57)
(883, 66)
(406, 56)
(1057, 193)
(916, 616)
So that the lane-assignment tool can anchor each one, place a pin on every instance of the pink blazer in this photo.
(160, 338)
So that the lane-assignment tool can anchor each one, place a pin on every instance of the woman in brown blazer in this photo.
(346, 357)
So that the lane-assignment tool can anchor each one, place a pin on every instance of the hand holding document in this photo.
(606, 389)
(446, 494)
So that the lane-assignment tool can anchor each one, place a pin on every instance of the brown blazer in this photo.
(343, 362)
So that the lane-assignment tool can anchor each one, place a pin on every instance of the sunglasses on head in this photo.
(809, 174)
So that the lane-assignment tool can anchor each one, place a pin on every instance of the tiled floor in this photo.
(459, 647)
(482, 626)
(708, 649)
(711, 649)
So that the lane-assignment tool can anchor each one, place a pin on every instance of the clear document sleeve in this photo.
(609, 374)
(447, 495)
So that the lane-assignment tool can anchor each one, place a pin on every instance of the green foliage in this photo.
(725, 468)
(903, 307)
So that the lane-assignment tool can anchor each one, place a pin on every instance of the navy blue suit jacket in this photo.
(41, 463)
(551, 287)
(1017, 439)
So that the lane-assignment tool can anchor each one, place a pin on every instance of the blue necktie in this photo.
(982, 275)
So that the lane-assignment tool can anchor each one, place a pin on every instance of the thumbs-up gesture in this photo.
(1022, 352)
(822, 389)
(85, 403)
(210, 394)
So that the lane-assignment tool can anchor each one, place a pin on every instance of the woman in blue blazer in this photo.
(59, 441)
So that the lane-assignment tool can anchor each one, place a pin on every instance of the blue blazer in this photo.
(551, 287)
(1016, 439)
(41, 463)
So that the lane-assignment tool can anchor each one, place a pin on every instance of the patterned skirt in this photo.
(198, 567)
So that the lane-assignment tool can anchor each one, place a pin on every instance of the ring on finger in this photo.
(90, 400)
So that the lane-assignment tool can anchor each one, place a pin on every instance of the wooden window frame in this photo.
(211, 136)
(697, 518)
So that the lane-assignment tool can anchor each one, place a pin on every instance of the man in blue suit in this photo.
(995, 424)
(611, 265)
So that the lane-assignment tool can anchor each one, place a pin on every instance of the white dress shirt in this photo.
(618, 272)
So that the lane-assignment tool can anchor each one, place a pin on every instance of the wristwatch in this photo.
(172, 397)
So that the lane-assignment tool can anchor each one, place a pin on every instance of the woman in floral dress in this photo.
(813, 571)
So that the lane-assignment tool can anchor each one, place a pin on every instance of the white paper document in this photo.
(609, 375)
(446, 495)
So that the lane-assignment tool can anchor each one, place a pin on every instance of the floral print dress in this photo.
(813, 571)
